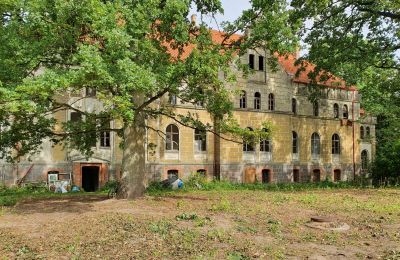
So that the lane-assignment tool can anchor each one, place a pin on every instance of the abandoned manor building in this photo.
(331, 139)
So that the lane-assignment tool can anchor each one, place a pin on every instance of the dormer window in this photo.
(261, 63)
(251, 61)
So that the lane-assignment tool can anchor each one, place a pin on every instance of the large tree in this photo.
(359, 40)
(132, 52)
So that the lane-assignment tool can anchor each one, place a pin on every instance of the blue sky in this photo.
(232, 10)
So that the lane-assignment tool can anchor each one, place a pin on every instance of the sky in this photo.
(232, 10)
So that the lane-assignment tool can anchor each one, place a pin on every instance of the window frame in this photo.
(345, 112)
(251, 61)
(261, 63)
(249, 146)
(336, 146)
(295, 142)
(315, 144)
(200, 136)
(294, 106)
(257, 100)
(271, 102)
(336, 110)
(243, 100)
(172, 138)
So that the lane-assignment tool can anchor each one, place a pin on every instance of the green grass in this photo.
(155, 189)
(9, 196)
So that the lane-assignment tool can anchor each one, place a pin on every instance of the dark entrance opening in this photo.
(296, 175)
(336, 175)
(90, 178)
(266, 176)
(316, 177)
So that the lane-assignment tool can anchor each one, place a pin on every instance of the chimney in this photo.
(193, 19)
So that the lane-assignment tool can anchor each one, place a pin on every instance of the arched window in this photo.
(271, 102)
(200, 140)
(266, 144)
(368, 131)
(242, 101)
(294, 106)
(315, 108)
(172, 138)
(315, 144)
(257, 100)
(362, 134)
(335, 110)
(295, 142)
(248, 146)
(364, 159)
(345, 112)
(335, 144)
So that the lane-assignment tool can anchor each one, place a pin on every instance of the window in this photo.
(266, 176)
(172, 138)
(295, 142)
(296, 175)
(336, 110)
(261, 63)
(315, 144)
(105, 137)
(200, 140)
(362, 133)
(345, 112)
(294, 106)
(266, 144)
(172, 175)
(364, 160)
(90, 92)
(271, 102)
(368, 131)
(248, 146)
(315, 109)
(251, 61)
(335, 144)
(242, 100)
(257, 100)
(76, 117)
(172, 99)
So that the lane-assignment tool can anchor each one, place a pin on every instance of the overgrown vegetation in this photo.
(9, 196)
(198, 182)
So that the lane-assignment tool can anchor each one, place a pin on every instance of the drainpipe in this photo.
(354, 155)
(217, 151)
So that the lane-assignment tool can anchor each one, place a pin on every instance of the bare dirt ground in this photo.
(205, 225)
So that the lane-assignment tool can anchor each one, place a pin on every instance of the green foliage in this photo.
(361, 46)
(132, 53)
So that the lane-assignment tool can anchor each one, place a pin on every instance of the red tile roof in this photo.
(287, 62)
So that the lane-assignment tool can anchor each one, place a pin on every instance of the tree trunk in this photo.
(134, 160)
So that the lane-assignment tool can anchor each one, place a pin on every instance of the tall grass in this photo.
(196, 182)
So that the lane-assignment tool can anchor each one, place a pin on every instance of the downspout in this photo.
(354, 155)
(217, 151)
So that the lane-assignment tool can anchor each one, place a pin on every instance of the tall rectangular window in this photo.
(200, 140)
(251, 61)
(105, 135)
(261, 63)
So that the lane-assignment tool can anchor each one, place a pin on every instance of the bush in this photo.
(8, 201)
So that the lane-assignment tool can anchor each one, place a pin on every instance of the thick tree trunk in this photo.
(134, 160)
